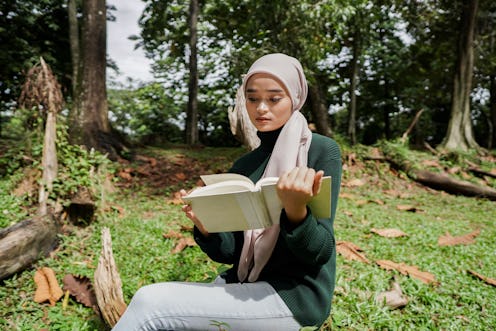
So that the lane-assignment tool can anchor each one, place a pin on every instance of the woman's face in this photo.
(267, 102)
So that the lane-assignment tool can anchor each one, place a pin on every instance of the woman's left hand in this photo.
(295, 189)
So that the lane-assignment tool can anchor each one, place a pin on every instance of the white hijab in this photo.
(290, 150)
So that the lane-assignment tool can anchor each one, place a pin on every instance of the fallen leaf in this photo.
(173, 234)
(389, 233)
(125, 174)
(356, 182)
(409, 208)
(405, 269)
(454, 170)
(393, 298)
(449, 240)
(348, 213)
(431, 163)
(186, 228)
(183, 243)
(180, 175)
(350, 251)
(47, 287)
(81, 288)
(345, 195)
(488, 280)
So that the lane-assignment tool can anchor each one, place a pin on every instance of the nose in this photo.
(262, 106)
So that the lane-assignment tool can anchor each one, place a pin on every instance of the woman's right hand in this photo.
(191, 215)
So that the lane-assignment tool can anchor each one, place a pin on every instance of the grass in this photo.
(139, 213)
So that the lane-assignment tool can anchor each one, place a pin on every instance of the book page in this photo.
(231, 186)
(216, 178)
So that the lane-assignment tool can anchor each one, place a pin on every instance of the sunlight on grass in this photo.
(138, 220)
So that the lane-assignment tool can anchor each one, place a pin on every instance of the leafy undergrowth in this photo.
(145, 222)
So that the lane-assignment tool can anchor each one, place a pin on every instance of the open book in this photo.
(232, 202)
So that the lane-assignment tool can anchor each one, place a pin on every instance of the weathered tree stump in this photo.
(108, 285)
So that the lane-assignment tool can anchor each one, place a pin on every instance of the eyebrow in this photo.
(250, 90)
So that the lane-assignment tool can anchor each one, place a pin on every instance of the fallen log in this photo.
(445, 183)
(434, 180)
(24, 243)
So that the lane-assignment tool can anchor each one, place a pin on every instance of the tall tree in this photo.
(89, 123)
(192, 136)
(460, 133)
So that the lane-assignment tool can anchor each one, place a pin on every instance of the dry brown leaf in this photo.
(125, 174)
(348, 213)
(81, 288)
(411, 271)
(466, 239)
(356, 182)
(180, 175)
(389, 233)
(173, 234)
(454, 170)
(345, 195)
(410, 208)
(183, 243)
(186, 228)
(431, 163)
(393, 298)
(350, 251)
(47, 287)
(488, 280)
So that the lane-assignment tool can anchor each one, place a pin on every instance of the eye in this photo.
(275, 99)
(252, 99)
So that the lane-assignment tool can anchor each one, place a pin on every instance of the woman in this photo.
(282, 277)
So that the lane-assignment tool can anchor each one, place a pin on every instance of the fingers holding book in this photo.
(296, 188)
(191, 215)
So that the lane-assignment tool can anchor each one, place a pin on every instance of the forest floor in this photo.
(442, 284)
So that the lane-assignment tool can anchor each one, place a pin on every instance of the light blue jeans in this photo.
(199, 306)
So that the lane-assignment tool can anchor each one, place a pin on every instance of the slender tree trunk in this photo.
(353, 85)
(460, 132)
(319, 110)
(492, 109)
(74, 44)
(192, 111)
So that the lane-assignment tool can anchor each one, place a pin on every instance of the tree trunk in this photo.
(460, 132)
(353, 85)
(74, 44)
(89, 122)
(192, 137)
(319, 110)
(492, 110)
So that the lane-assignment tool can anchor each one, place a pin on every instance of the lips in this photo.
(262, 119)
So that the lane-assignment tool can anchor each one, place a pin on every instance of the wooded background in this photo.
(371, 66)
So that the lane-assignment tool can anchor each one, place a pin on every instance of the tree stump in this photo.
(108, 285)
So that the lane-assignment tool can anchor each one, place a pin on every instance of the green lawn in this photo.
(139, 213)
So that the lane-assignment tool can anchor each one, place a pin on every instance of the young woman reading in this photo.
(282, 277)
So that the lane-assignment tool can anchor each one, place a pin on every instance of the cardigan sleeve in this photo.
(312, 241)
(220, 247)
